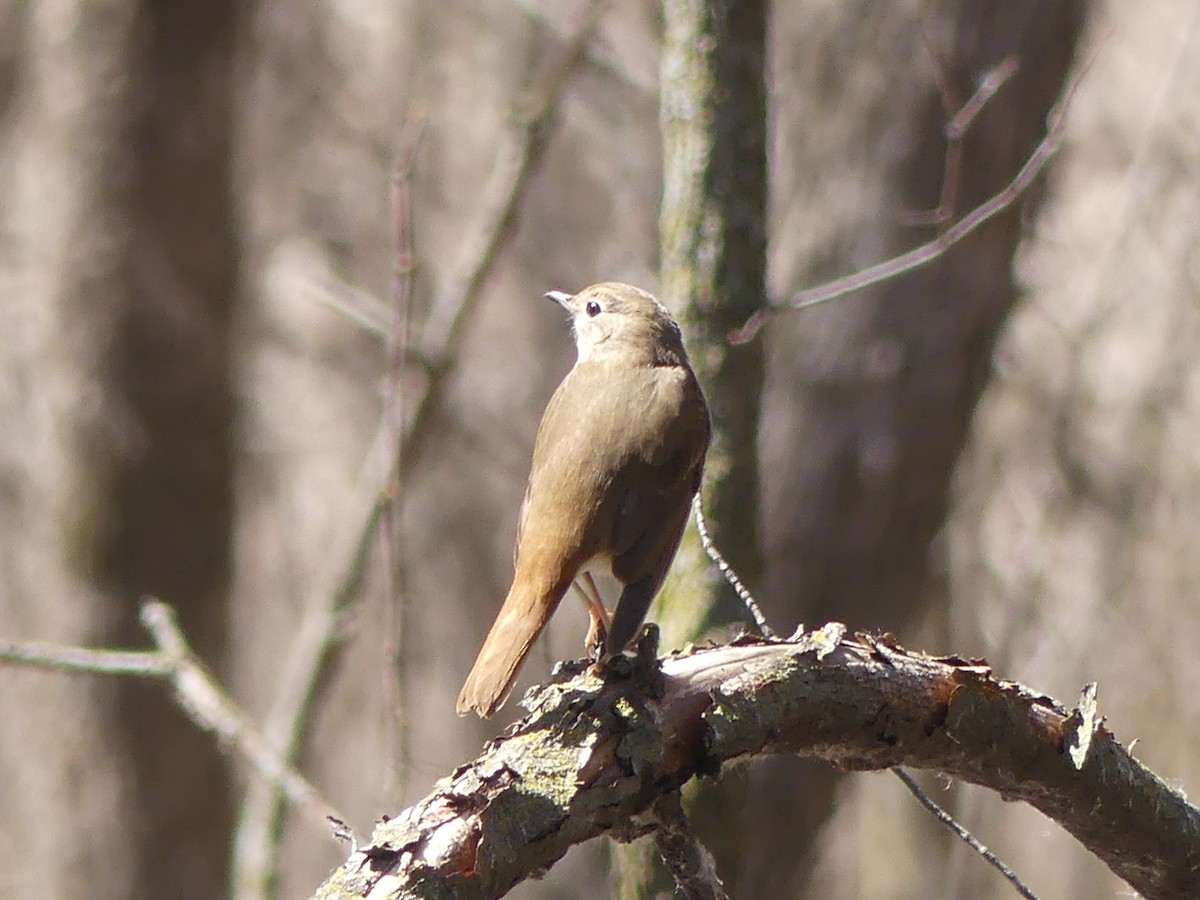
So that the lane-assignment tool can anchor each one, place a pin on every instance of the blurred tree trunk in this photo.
(121, 267)
(68, 828)
(172, 365)
(870, 398)
(1078, 503)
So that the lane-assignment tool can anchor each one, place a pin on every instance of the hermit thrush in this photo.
(616, 463)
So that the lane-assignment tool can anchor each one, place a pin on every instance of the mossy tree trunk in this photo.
(713, 271)
(712, 230)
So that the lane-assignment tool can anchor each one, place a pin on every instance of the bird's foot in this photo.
(596, 642)
(641, 668)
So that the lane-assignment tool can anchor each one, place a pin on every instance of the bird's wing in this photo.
(655, 486)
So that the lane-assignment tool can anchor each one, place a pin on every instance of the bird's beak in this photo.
(559, 297)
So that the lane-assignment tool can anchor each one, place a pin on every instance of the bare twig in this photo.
(85, 660)
(932, 250)
(518, 148)
(959, 117)
(919, 256)
(994, 79)
(254, 844)
(394, 415)
(727, 570)
(688, 861)
(198, 694)
(963, 835)
(397, 444)
(958, 121)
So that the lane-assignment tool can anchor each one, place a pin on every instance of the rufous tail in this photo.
(521, 619)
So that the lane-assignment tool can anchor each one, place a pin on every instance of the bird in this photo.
(617, 460)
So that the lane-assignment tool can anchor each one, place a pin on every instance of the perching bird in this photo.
(617, 461)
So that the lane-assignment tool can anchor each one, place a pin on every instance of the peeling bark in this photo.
(593, 757)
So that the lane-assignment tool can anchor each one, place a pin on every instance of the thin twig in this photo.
(394, 415)
(85, 660)
(928, 252)
(958, 122)
(952, 158)
(994, 79)
(254, 842)
(198, 694)
(688, 860)
(919, 256)
(963, 835)
(727, 570)
(518, 149)
(396, 447)
(941, 67)
(959, 118)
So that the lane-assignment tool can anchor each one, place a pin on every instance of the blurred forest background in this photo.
(203, 373)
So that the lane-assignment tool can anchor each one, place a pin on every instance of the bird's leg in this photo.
(597, 635)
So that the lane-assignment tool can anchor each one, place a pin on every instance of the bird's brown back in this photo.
(617, 444)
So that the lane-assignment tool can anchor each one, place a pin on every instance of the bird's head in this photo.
(622, 323)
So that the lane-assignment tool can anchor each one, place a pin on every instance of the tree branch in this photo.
(926, 253)
(200, 696)
(595, 757)
(688, 861)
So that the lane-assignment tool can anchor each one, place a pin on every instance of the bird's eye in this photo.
(593, 308)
